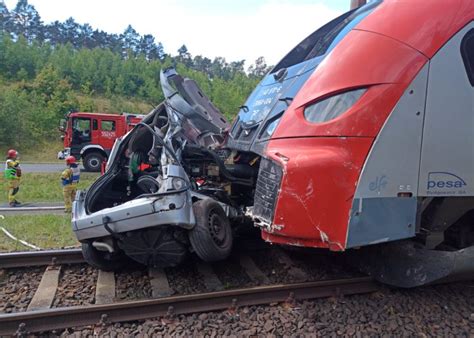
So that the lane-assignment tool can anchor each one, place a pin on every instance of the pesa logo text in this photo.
(444, 181)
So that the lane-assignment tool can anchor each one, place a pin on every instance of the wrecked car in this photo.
(169, 187)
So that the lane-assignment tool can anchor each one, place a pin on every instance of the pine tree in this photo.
(202, 64)
(52, 33)
(26, 21)
(130, 40)
(5, 17)
(184, 56)
(149, 49)
(86, 35)
(69, 32)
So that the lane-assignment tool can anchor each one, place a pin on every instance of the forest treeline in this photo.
(47, 70)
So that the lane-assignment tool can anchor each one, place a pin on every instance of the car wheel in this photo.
(93, 161)
(103, 260)
(211, 238)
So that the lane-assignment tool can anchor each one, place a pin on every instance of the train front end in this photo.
(348, 154)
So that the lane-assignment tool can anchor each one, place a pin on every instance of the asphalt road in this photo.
(44, 167)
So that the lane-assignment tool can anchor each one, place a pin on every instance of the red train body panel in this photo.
(322, 162)
(313, 206)
(422, 25)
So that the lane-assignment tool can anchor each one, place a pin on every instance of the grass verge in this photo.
(44, 231)
(42, 187)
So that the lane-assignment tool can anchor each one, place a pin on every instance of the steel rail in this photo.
(37, 258)
(23, 323)
(21, 259)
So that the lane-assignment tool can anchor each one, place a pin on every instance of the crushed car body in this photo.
(166, 186)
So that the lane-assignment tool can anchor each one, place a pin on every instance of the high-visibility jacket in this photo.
(12, 169)
(71, 175)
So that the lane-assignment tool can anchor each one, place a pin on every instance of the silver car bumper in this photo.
(174, 209)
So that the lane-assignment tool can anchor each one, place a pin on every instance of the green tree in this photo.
(259, 68)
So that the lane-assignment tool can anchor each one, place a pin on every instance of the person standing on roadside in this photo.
(13, 175)
(69, 179)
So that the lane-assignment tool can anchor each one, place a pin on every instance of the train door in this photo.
(447, 156)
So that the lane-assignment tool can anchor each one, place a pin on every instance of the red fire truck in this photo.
(90, 136)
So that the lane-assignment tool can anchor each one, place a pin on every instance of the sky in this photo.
(233, 29)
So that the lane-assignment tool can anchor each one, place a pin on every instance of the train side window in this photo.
(107, 125)
(467, 52)
(95, 125)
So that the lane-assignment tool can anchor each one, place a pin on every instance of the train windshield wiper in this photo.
(250, 124)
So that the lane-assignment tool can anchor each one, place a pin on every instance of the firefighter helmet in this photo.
(70, 160)
(12, 153)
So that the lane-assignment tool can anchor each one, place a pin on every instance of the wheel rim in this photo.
(217, 228)
(94, 162)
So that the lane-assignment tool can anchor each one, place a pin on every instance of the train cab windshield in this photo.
(260, 115)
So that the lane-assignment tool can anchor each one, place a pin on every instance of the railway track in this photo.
(41, 317)
(39, 258)
(60, 318)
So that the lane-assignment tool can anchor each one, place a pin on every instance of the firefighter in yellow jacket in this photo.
(13, 175)
(69, 179)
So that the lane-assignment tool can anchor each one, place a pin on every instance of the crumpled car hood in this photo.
(187, 99)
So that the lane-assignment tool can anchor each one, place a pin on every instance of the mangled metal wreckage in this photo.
(168, 187)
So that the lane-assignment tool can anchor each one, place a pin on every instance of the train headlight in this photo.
(333, 106)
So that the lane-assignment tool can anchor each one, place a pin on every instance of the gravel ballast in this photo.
(76, 286)
(132, 285)
(17, 288)
(184, 279)
(444, 310)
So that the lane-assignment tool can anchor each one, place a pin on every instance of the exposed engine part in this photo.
(101, 246)
(103, 260)
(148, 184)
(213, 165)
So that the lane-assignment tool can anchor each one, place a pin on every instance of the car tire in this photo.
(103, 260)
(211, 237)
(93, 161)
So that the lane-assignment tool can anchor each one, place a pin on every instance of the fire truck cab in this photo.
(90, 136)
